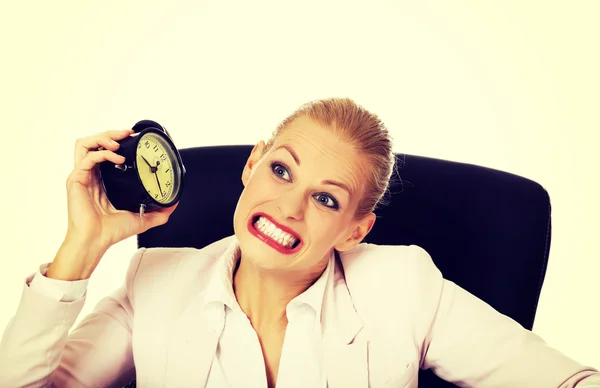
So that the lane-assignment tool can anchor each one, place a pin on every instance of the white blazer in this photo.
(387, 311)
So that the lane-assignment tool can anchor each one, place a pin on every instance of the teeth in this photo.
(268, 228)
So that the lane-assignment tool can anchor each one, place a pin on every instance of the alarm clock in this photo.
(153, 174)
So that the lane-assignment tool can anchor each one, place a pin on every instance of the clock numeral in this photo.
(163, 157)
(156, 195)
(168, 184)
(155, 148)
(147, 144)
(167, 170)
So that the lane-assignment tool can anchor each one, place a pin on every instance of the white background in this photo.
(510, 85)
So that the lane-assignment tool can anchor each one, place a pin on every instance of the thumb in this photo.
(152, 219)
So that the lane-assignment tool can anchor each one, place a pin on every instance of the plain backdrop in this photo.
(510, 85)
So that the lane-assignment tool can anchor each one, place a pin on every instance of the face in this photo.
(156, 169)
(299, 200)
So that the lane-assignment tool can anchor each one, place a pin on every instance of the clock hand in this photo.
(152, 168)
(160, 188)
(148, 163)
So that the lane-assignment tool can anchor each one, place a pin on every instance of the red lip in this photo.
(268, 240)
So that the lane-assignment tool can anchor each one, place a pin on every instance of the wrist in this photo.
(76, 259)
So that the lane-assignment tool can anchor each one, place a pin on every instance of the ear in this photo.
(359, 231)
(255, 156)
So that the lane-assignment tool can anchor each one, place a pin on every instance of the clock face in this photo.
(157, 167)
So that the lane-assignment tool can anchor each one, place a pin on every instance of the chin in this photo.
(254, 252)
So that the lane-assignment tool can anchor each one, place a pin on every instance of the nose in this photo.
(292, 205)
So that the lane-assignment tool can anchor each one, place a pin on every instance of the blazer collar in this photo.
(193, 345)
(219, 289)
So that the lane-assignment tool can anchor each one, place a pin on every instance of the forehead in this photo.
(321, 149)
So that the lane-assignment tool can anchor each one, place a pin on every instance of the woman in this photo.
(290, 300)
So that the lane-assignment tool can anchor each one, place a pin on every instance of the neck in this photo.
(264, 295)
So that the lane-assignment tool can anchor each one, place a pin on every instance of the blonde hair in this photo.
(365, 131)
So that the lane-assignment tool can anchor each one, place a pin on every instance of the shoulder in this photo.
(167, 257)
(387, 281)
(162, 268)
(410, 264)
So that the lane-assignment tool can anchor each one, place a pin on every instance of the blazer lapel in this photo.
(195, 336)
(345, 354)
(192, 348)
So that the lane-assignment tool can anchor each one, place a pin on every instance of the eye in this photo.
(327, 200)
(280, 170)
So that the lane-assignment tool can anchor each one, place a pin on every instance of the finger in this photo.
(107, 140)
(168, 134)
(141, 225)
(93, 158)
(172, 208)
(157, 217)
(167, 210)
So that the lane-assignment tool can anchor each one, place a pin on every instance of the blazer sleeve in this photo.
(37, 349)
(60, 290)
(471, 344)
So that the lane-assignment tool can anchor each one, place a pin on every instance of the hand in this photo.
(94, 224)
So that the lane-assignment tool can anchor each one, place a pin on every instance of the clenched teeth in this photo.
(269, 229)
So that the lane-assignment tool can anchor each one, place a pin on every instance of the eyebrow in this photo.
(338, 184)
(325, 182)
(291, 151)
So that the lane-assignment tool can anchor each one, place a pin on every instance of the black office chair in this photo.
(486, 230)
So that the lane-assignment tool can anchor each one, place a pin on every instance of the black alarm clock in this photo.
(153, 174)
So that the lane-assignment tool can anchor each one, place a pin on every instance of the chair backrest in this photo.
(487, 230)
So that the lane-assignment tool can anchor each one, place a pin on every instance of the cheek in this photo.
(258, 189)
(260, 184)
(324, 228)
(337, 229)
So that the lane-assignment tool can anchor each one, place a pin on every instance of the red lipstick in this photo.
(269, 240)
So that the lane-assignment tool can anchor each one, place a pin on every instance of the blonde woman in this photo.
(292, 299)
